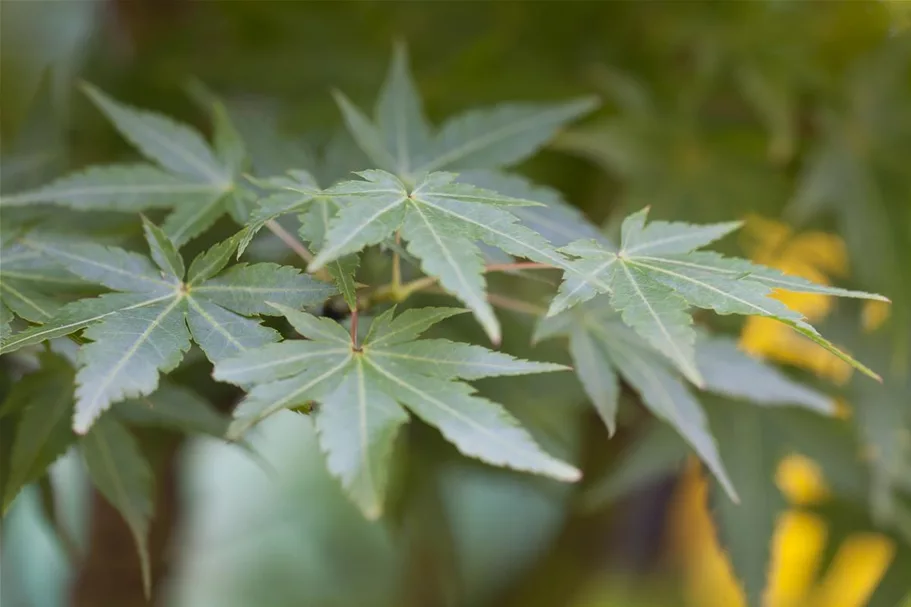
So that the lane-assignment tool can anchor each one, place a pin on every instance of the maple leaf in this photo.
(401, 140)
(197, 182)
(604, 349)
(657, 274)
(363, 389)
(123, 476)
(37, 414)
(146, 327)
(29, 282)
(442, 221)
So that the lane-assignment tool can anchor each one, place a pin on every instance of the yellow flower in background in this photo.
(900, 11)
(816, 256)
(800, 538)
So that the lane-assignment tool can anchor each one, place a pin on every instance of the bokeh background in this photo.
(795, 116)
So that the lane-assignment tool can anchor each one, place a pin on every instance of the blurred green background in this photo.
(793, 115)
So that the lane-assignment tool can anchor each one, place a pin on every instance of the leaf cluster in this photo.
(436, 198)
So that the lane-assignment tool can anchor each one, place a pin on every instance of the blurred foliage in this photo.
(796, 115)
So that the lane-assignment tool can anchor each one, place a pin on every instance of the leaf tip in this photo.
(372, 511)
(569, 474)
(341, 99)
(81, 426)
(590, 103)
(87, 87)
(277, 306)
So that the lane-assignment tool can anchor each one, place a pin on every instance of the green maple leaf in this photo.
(174, 407)
(746, 446)
(297, 192)
(122, 475)
(605, 349)
(198, 182)
(657, 275)
(401, 140)
(441, 221)
(29, 281)
(752, 447)
(38, 411)
(146, 327)
(362, 390)
(553, 218)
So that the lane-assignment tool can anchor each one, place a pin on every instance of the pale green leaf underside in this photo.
(361, 394)
(442, 222)
(314, 224)
(127, 353)
(357, 425)
(163, 251)
(138, 335)
(597, 375)
(448, 359)
(667, 397)
(246, 289)
(655, 277)
(602, 346)
(291, 193)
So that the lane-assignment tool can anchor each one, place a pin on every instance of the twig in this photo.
(354, 330)
(403, 291)
(396, 267)
(522, 265)
(297, 246)
(288, 238)
(515, 305)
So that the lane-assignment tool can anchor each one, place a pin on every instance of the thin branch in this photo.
(396, 267)
(515, 305)
(522, 265)
(354, 316)
(403, 291)
(288, 238)
(298, 247)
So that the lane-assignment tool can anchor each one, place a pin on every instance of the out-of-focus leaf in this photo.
(729, 371)
(656, 276)
(401, 140)
(749, 447)
(42, 404)
(176, 407)
(123, 476)
(657, 452)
